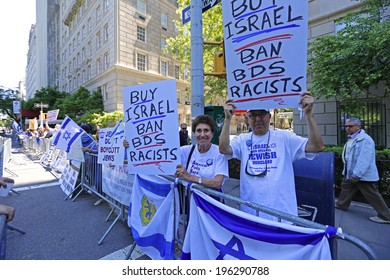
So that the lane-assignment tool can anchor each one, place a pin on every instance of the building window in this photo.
(83, 33)
(98, 13)
(164, 19)
(89, 25)
(83, 53)
(106, 32)
(177, 72)
(104, 89)
(106, 61)
(163, 42)
(98, 66)
(164, 68)
(89, 49)
(141, 62)
(89, 72)
(141, 6)
(141, 33)
(106, 3)
(98, 40)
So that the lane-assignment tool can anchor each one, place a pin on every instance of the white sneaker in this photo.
(376, 219)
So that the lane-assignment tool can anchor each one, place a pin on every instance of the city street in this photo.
(59, 229)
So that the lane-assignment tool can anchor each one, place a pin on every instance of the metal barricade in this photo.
(91, 181)
(281, 215)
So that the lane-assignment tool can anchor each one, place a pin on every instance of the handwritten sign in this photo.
(266, 47)
(111, 149)
(150, 114)
(117, 183)
(52, 115)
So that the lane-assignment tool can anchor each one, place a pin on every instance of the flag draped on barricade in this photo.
(217, 231)
(153, 216)
(67, 135)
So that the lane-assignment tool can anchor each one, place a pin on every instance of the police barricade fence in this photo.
(232, 200)
(37, 146)
(91, 181)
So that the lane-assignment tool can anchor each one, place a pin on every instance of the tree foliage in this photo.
(80, 104)
(46, 95)
(180, 48)
(348, 65)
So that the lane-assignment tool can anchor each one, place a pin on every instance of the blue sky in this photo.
(15, 23)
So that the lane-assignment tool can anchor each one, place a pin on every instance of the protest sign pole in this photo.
(197, 72)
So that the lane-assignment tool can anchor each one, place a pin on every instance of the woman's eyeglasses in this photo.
(262, 174)
(349, 126)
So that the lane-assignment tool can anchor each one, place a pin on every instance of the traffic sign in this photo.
(41, 105)
(207, 5)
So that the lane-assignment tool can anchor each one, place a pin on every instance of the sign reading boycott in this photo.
(266, 43)
(150, 113)
(111, 148)
(52, 115)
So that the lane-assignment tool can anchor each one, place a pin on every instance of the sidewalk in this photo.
(83, 216)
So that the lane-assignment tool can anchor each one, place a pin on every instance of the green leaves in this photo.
(347, 65)
(180, 48)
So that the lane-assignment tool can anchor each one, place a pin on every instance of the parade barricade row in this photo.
(162, 223)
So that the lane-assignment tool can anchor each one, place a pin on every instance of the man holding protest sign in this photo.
(267, 156)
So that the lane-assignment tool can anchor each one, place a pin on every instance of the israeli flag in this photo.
(153, 216)
(16, 127)
(118, 132)
(67, 135)
(219, 232)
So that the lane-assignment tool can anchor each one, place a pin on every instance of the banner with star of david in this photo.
(219, 232)
(67, 135)
(153, 216)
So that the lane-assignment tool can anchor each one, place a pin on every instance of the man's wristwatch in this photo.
(200, 181)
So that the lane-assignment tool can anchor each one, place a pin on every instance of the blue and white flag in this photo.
(16, 127)
(153, 216)
(219, 232)
(118, 132)
(67, 135)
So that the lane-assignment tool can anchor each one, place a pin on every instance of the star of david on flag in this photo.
(67, 135)
(153, 216)
(219, 232)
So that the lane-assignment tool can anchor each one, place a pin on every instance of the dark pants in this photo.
(370, 192)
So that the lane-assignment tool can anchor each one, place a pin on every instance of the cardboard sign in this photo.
(111, 149)
(150, 114)
(52, 115)
(266, 52)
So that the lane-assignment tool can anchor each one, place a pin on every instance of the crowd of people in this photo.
(267, 157)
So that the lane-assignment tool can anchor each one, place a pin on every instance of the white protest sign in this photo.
(111, 149)
(68, 179)
(266, 52)
(16, 107)
(117, 183)
(76, 151)
(52, 115)
(150, 113)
